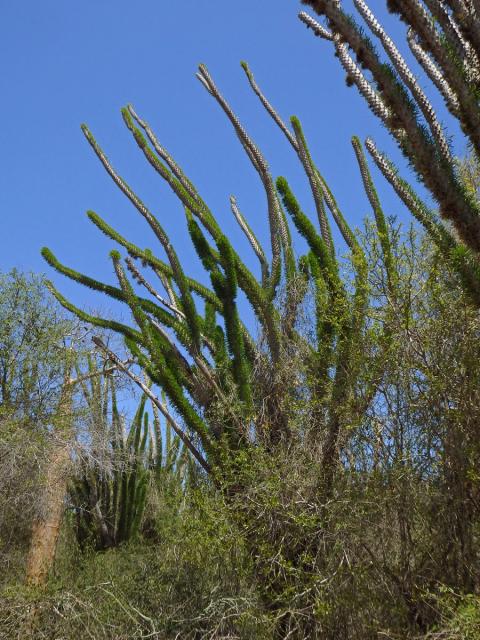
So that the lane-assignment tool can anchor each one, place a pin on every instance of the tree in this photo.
(129, 485)
(33, 334)
(236, 395)
(223, 356)
(415, 453)
(46, 525)
(273, 420)
(443, 37)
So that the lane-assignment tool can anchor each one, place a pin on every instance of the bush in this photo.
(191, 580)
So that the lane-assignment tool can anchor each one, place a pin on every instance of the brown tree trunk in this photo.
(46, 527)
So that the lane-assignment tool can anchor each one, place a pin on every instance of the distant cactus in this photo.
(109, 493)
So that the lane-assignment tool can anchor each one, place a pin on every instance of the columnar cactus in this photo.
(444, 38)
(110, 489)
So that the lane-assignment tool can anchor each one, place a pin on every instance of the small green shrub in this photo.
(189, 581)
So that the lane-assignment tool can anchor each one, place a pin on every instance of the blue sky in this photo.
(64, 62)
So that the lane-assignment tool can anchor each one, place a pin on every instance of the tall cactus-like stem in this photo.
(444, 39)
(191, 340)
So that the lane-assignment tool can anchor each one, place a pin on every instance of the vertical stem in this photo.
(46, 527)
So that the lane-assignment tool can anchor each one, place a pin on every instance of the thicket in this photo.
(317, 479)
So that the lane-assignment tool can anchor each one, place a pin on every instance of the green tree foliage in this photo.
(33, 333)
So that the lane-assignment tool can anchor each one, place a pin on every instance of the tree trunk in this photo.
(46, 527)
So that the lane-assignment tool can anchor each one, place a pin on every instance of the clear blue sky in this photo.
(64, 62)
